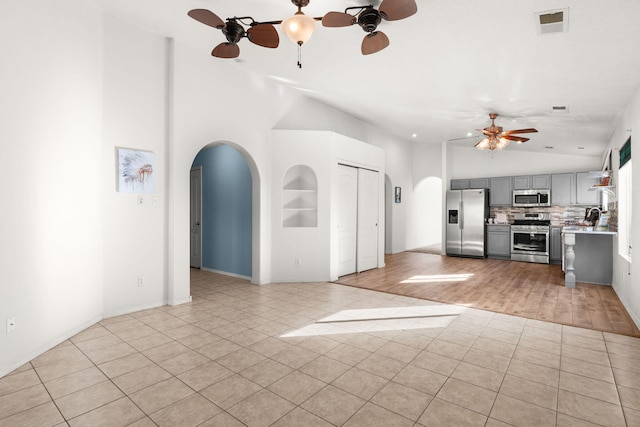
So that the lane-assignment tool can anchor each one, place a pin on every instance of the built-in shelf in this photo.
(300, 197)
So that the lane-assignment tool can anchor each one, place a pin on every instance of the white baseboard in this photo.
(225, 273)
(49, 345)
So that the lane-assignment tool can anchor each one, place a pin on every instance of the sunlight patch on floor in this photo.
(438, 278)
(381, 319)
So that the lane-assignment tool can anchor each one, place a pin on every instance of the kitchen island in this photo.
(588, 256)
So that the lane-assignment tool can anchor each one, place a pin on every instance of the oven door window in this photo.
(527, 241)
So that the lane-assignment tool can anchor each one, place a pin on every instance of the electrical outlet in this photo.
(140, 280)
(140, 200)
(11, 324)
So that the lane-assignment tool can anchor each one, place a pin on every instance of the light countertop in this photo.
(584, 230)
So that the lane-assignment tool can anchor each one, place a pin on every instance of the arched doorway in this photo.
(428, 214)
(227, 220)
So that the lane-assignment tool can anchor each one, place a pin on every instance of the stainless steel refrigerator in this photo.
(467, 213)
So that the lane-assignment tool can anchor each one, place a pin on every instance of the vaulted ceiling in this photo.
(447, 67)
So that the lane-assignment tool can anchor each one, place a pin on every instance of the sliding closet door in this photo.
(347, 219)
(367, 240)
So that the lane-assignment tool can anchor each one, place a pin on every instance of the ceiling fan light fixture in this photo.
(502, 143)
(299, 27)
(484, 144)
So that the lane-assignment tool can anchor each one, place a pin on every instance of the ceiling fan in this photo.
(497, 139)
(369, 18)
(261, 33)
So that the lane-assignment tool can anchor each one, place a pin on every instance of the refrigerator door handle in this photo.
(461, 215)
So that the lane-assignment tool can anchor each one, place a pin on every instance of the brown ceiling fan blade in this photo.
(264, 35)
(206, 17)
(392, 10)
(528, 130)
(374, 42)
(515, 138)
(338, 19)
(226, 50)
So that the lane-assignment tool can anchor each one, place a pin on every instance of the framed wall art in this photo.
(136, 171)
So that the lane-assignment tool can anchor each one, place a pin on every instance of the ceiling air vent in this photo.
(555, 21)
(559, 109)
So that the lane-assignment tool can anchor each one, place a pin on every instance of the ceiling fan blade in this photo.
(374, 42)
(206, 17)
(226, 50)
(264, 35)
(338, 19)
(514, 138)
(486, 132)
(528, 130)
(392, 10)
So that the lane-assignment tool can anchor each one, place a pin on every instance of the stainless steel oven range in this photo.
(530, 237)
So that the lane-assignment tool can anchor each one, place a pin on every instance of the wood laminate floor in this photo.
(534, 291)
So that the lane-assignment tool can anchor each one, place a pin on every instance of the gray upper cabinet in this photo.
(563, 188)
(540, 182)
(583, 184)
(479, 183)
(522, 182)
(500, 191)
(535, 182)
(459, 184)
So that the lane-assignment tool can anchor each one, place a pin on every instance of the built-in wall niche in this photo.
(300, 197)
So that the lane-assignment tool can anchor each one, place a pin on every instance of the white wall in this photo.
(311, 245)
(469, 162)
(134, 116)
(626, 276)
(398, 155)
(51, 237)
(321, 151)
(428, 212)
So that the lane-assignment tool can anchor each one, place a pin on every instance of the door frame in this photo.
(197, 169)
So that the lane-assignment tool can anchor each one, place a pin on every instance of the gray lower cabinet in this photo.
(555, 245)
(499, 241)
(563, 188)
(500, 191)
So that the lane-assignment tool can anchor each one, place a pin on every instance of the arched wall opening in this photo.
(428, 212)
(230, 210)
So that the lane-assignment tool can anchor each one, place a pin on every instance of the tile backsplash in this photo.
(559, 214)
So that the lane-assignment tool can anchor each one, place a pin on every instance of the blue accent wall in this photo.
(226, 210)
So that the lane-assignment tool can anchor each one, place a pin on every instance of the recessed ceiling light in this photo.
(414, 135)
(469, 134)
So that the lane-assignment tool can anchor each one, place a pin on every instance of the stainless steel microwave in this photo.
(531, 198)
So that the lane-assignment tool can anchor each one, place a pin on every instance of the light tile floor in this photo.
(322, 354)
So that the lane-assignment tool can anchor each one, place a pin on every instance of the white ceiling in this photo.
(447, 67)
